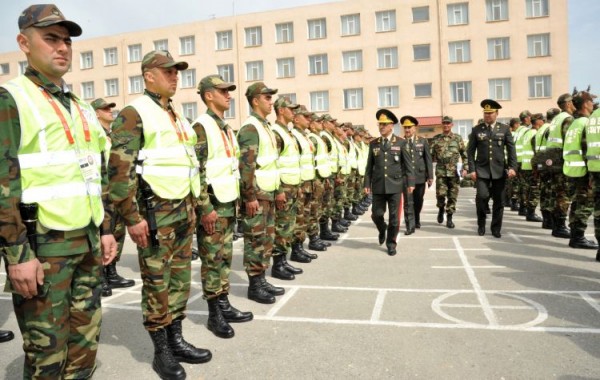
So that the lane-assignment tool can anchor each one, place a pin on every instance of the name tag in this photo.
(87, 166)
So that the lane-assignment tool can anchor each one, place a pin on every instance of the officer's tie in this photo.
(386, 144)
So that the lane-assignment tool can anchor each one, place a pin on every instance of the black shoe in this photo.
(514, 205)
(582, 243)
(382, 232)
(182, 350)
(440, 217)
(257, 293)
(6, 336)
(164, 363)
(279, 271)
(106, 290)
(522, 211)
(356, 210)
(532, 216)
(598, 255)
(313, 256)
(289, 267)
(348, 215)
(230, 313)
(216, 323)
(560, 229)
(325, 243)
(449, 222)
(496, 234)
(299, 257)
(417, 225)
(481, 231)
(336, 226)
(113, 278)
(196, 254)
(325, 233)
(409, 231)
(274, 290)
(548, 222)
(315, 245)
(344, 223)
(391, 251)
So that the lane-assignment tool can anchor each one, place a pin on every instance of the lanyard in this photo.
(227, 143)
(86, 129)
(176, 125)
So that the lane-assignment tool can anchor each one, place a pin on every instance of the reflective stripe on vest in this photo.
(352, 155)
(555, 139)
(307, 162)
(540, 141)
(527, 151)
(333, 153)
(519, 133)
(267, 175)
(592, 137)
(574, 165)
(51, 175)
(343, 161)
(361, 158)
(170, 166)
(222, 171)
(288, 162)
(322, 164)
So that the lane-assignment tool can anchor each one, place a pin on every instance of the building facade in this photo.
(426, 58)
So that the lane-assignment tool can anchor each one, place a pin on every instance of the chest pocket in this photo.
(498, 139)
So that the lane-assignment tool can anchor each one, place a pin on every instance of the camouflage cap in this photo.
(285, 102)
(447, 120)
(524, 114)
(581, 97)
(42, 15)
(537, 116)
(327, 117)
(100, 103)
(551, 113)
(301, 110)
(161, 58)
(214, 81)
(564, 98)
(258, 88)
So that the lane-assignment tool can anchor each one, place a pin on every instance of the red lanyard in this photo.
(176, 126)
(226, 143)
(86, 129)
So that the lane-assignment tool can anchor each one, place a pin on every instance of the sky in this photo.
(108, 17)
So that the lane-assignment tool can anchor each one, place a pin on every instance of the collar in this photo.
(157, 97)
(260, 118)
(40, 80)
(220, 122)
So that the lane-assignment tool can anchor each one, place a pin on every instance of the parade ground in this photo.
(450, 305)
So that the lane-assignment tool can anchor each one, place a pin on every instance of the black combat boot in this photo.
(257, 293)
(278, 270)
(344, 223)
(182, 350)
(449, 222)
(315, 244)
(164, 364)
(274, 290)
(522, 210)
(598, 255)
(6, 336)
(289, 267)
(106, 289)
(313, 256)
(196, 254)
(532, 216)
(336, 226)
(560, 230)
(230, 313)
(548, 222)
(113, 278)
(348, 215)
(357, 210)
(318, 239)
(297, 254)
(417, 221)
(514, 205)
(325, 233)
(216, 322)
(578, 240)
(440, 218)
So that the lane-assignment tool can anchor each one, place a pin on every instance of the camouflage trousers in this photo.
(305, 197)
(339, 196)
(531, 189)
(166, 274)
(582, 207)
(517, 185)
(216, 254)
(522, 178)
(351, 181)
(316, 206)
(259, 235)
(547, 201)
(285, 220)
(327, 205)
(558, 189)
(596, 199)
(119, 233)
(446, 190)
(61, 326)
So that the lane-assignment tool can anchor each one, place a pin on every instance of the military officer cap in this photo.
(100, 104)
(386, 117)
(259, 88)
(285, 102)
(409, 121)
(490, 105)
(214, 81)
(537, 116)
(447, 120)
(43, 15)
(563, 99)
(524, 114)
(163, 59)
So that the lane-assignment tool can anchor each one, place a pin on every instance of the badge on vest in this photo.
(87, 166)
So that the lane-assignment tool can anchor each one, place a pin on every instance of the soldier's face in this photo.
(220, 98)
(48, 50)
(105, 115)
(162, 80)
(446, 127)
(263, 104)
(490, 117)
(300, 121)
(385, 128)
(409, 131)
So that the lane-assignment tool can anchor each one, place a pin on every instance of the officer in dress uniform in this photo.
(492, 158)
(388, 164)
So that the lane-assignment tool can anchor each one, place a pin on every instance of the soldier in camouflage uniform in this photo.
(157, 206)
(540, 144)
(511, 192)
(53, 250)
(592, 132)
(329, 135)
(352, 180)
(259, 192)
(111, 278)
(447, 149)
(522, 186)
(217, 153)
(530, 178)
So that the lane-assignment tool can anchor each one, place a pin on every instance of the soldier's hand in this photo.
(429, 183)
(474, 176)
(252, 208)
(410, 189)
(109, 248)
(367, 190)
(26, 277)
(464, 173)
(280, 201)
(139, 233)
(511, 173)
(208, 222)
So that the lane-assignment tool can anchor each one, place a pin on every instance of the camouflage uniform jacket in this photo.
(13, 240)
(207, 202)
(127, 140)
(447, 150)
(248, 142)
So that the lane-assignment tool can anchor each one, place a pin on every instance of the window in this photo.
(463, 128)
(4, 69)
(317, 64)
(540, 86)
(498, 48)
(22, 67)
(353, 99)
(538, 45)
(291, 96)
(254, 70)
(226, 71)
(284, 33)
(458, 14)
(190, 110)
(135, 53)
(351, 25)
(459, 51)
(286, 68)
(460, 92)
(423, 90)
(230, 113)
(352, 60)
(87, 60)
(319, 101)
(253, 36)
(188, 78)
(317, 29)
(225, 40)
(161, 45)
(187, 45)
(87, 90)
(496, 10)
(499, 89)
(387, 58)
(111, 87)
(537, 8)
(422, 52)
(385, 21)
(136, 84)
(110, 56)
(388, 96)
(420, 14)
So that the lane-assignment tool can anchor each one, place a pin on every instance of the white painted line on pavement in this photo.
(122, 291)
(464, 249)
(473, 266)
(378, 306)
(289, 293)
(515, 237)
(593, 303)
